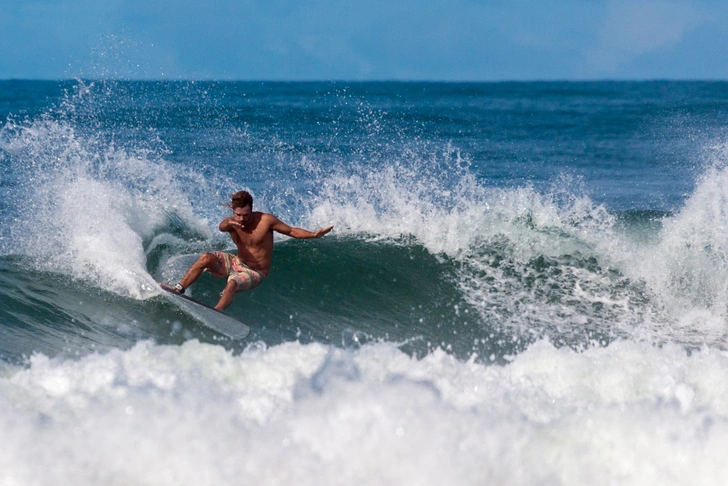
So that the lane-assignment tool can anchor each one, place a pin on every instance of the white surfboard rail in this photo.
(206, 315)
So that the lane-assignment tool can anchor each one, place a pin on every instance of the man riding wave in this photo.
(252, 233)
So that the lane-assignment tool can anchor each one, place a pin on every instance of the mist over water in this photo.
(522, 284)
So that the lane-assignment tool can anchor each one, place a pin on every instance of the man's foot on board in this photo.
(177, 289)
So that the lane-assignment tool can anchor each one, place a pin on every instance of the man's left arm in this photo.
(281, 227)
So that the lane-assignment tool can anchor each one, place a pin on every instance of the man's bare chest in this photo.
(251, 239)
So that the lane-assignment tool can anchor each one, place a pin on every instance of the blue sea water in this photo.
(527, 283)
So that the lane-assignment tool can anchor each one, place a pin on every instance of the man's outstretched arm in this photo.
(281, 227)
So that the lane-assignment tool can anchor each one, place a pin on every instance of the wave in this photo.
(520, 335)
(423, 251)
(436, 261)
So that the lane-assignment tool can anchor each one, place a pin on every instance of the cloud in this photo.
(700, 54)
(632, 28)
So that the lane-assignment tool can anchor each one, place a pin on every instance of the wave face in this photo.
(526, 281)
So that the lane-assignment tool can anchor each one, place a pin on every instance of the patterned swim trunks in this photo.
(231, 267)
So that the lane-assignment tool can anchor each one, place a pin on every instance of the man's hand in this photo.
(229, 224)
(322, 231)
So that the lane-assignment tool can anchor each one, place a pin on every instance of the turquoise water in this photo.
(522, 276)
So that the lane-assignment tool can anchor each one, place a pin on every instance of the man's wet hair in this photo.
(241, 199)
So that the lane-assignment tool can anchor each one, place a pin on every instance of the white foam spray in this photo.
(530, 262)
(86, 207)
(629, 413)
(687, 270)
(553, 261)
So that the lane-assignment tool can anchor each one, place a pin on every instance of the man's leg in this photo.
(227, 295)
(206, 260)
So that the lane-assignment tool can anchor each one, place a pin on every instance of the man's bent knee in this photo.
(208, 260)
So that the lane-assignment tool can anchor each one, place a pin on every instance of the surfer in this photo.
(252, 233)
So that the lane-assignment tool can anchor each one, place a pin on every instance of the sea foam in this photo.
(85, 207)
(550, 263)
(191, 414)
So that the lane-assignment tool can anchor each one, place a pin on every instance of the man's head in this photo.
(241, 199)
(242, 206)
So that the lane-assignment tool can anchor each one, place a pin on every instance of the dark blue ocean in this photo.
(527, 283)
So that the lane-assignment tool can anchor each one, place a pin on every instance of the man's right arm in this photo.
(228, 224)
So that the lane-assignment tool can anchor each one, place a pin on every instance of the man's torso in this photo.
(255, 242)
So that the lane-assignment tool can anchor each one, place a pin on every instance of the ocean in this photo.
(527, 283)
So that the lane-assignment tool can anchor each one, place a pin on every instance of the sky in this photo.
(435, 40)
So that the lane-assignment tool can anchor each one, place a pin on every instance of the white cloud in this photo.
(635, 27)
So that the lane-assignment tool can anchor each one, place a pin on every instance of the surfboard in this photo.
(206, 315)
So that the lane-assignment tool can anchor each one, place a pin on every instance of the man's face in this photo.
(243, 215)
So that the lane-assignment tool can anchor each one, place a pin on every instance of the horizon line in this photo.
(362, 81)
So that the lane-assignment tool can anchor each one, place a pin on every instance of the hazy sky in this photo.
(364, 39)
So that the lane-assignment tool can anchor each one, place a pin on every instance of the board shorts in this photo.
(231, 267)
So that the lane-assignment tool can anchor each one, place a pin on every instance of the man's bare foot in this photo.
(171, 288)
